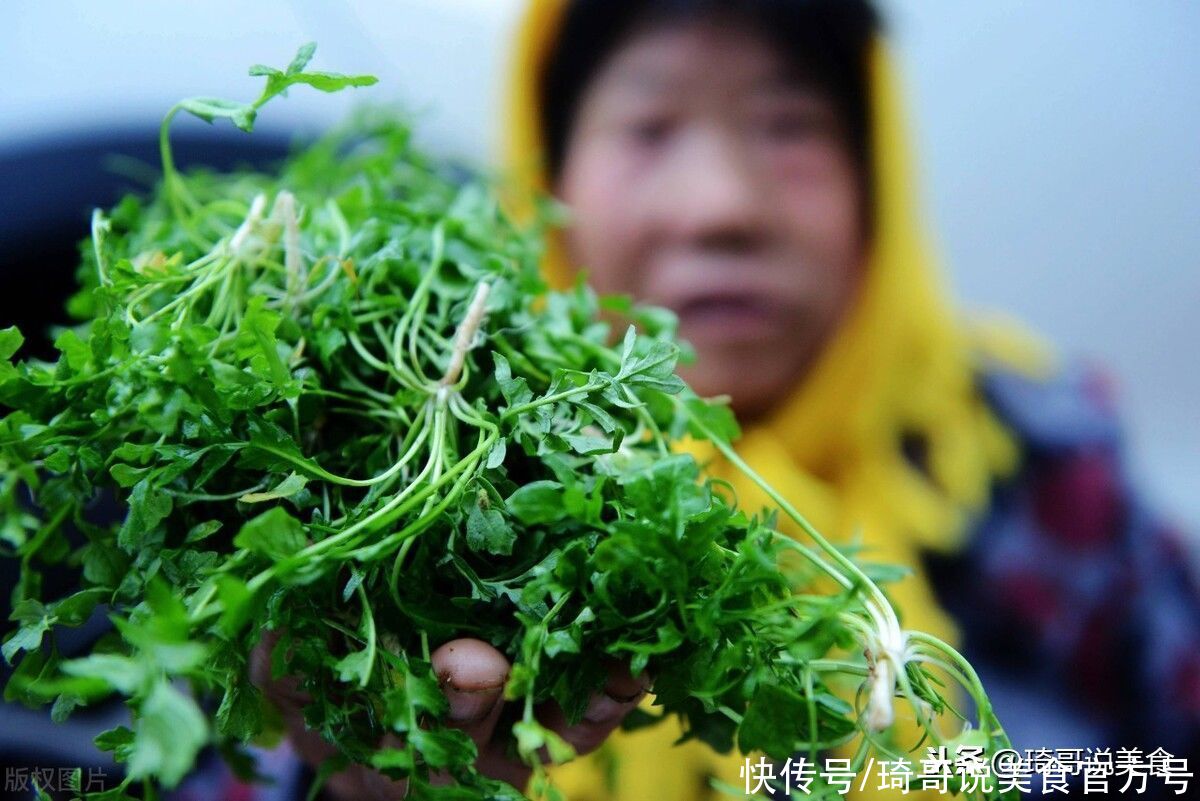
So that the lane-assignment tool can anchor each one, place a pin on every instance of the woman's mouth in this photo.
(728, 317)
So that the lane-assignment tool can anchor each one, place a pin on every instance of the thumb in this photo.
(471, 674)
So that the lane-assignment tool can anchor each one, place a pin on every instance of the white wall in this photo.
(1061, 144)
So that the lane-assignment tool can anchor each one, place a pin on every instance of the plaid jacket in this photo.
(1079, 605)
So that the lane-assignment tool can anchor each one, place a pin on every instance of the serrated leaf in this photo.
(148, 506)
(28, 637)
(515, 390)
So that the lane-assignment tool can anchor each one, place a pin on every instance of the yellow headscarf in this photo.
(899, 365)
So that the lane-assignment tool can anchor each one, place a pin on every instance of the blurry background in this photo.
(1061, 146)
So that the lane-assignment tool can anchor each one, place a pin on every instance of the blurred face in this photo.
(704, 176)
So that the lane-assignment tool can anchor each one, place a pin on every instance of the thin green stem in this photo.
(862, 580)
(369, 624)
(555, 398)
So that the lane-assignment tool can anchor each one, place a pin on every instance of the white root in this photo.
(880, 711)
(884, 662)
(238, 241)
(466, 334)
(293, 258)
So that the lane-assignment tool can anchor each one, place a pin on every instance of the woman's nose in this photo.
(709, 193)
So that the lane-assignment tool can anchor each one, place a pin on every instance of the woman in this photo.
(744, 164)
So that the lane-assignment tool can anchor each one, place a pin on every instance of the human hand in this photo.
(471, 674)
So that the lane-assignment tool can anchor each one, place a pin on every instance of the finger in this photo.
(622, 692)
(471, 674)
(371, 785)
(260, 658)
(284, 691)
(356, 782)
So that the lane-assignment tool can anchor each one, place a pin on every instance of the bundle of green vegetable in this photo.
(338, 401)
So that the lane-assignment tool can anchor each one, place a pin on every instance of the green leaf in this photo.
(202, 530)
(274, 533)
(59, 461)
(148, 506)
(414, 694)
(488, 532)
(536, 502)
(211, 108)
(422, 690)
(443, 748)
(236, 603)
(278, 82)
(261, 70)
(514, 390)
(496, 455)
(258, 326)
(118, 741)
(134, 452)
(355, 667)
(532, 736)
(271, 448)
(303, 56)
(394, 759)
(10, 341)
(711, 418)
(127, 475)
(63, 706)
(124, 674)
(591, 444)
(76, 352)
(321, 81)
(74, 610)
(284, 489)
(600, 416)
(168, 733)
(775, 714)
(104, 565)
(240, 713)
(35, 622)
(563, 641)
(650, 363)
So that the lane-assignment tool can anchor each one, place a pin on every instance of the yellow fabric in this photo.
(900, 363)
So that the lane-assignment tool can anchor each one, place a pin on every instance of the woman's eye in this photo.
(791, 126)
(649, 131)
